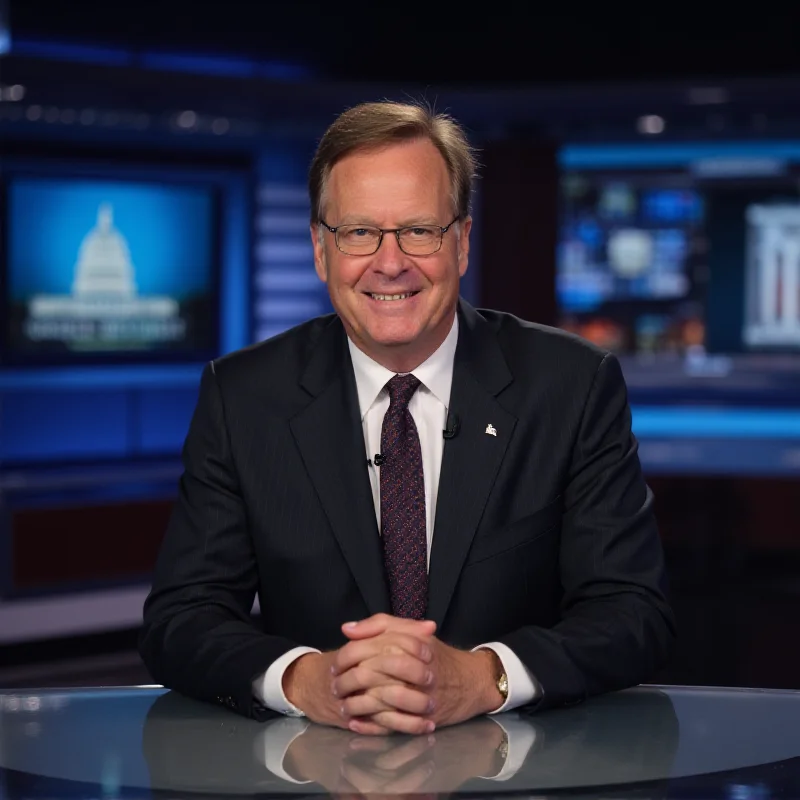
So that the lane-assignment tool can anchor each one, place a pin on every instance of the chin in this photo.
(395, 337)
(391, 341)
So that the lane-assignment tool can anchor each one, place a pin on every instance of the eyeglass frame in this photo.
(395, 231)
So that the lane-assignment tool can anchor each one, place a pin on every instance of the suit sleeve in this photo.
(616, 628)
(198, 636)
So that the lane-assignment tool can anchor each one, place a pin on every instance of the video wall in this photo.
(685, 261)
(121, 275)
(107, 266)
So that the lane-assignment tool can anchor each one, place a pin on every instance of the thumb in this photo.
(381, 623)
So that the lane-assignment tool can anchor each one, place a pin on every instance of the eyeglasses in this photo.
(413, 240)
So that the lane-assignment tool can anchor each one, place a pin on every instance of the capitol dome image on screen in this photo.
(104, 292)
(104, 266)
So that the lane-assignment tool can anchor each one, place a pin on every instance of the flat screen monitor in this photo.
(684, 260)
(105, 265)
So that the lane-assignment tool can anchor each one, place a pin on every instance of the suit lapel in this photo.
(472, 458)
(330, 438)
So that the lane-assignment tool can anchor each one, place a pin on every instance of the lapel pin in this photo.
(491, 430)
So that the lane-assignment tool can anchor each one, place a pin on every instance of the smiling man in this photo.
(441, 509)
(394, 260)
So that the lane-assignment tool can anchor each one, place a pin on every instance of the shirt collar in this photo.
(435, 373)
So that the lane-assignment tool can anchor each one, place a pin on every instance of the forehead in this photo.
(407, 177)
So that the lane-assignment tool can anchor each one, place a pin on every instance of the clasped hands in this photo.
(393, 675)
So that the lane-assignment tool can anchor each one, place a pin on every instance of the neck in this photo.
(400, 359)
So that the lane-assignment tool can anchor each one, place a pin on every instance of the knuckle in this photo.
(384, 719)
(370, 704)
(360, 678)
(425, 704)
(365, 701)
(393, 649)
(395, 694)
(425, 676)
(343, 655)
(390, 663)
(401, 667)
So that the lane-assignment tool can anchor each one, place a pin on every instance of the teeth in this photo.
(390, 296)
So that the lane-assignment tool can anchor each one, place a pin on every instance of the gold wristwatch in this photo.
(502, 685)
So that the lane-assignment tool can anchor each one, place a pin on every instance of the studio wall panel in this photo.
(38, 426)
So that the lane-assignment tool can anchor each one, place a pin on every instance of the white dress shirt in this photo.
(428, 407)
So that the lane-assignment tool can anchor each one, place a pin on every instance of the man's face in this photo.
(393, 187)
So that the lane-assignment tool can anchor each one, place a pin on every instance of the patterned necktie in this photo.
(405, 545)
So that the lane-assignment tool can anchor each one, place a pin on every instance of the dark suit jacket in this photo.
(544, 537)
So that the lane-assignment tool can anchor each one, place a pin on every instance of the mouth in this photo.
(390, 298)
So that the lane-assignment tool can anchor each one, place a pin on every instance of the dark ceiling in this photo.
(439, 43)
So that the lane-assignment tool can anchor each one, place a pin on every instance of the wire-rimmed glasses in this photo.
(364, 240)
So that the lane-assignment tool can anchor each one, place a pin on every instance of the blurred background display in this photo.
(107, 267)
(639, 187)
(684, 259)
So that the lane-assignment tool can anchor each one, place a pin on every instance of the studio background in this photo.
(620, 157)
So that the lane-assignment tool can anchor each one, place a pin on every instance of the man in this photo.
(441, 509)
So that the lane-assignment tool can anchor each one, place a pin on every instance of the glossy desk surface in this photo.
(645, 742)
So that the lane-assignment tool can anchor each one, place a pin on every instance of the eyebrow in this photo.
(423, 220)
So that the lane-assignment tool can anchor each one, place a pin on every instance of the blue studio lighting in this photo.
(197, 63)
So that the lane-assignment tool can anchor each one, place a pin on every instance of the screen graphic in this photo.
(690, 274)
(772, 290)
(109, 267)
(684, 260)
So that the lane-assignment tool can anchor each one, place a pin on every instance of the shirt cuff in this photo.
(520, 736)
(522, 686)
(268, 688)
(273, 745)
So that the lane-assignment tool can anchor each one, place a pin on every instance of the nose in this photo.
(389, 259)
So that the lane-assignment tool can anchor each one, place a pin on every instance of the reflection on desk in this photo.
(600, 743)
(114, 743)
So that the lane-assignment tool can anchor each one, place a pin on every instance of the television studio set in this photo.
(379, 418)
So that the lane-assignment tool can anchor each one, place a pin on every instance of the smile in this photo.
(390, 297)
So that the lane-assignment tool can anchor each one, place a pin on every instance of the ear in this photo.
(320, 265)
(463, 246)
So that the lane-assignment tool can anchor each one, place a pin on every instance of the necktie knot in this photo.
(401, 388)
